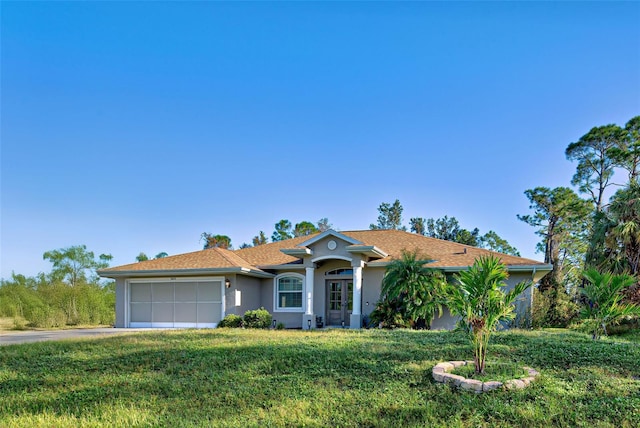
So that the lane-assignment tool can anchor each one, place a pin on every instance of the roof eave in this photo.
(368, 250)
(297, 252)
(285, 266)
(185, 272)
(540, 269)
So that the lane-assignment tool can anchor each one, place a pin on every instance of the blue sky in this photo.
(135, 127)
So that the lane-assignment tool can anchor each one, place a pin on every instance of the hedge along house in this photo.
(332, 276)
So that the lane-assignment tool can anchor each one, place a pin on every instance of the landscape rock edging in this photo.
(441, 374)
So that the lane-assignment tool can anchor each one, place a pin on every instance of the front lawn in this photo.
(325, 378)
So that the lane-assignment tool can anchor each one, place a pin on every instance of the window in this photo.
(341, 271)
(288, 292)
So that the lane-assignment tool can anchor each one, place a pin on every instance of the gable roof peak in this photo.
(329, 232)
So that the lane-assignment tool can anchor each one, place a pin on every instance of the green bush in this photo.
(231, 321)
(388, 314)
(18, 324)
(280, 326)
(46, 317)
(552, 309)
(259, 318)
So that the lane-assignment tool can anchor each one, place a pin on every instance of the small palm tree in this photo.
(478, 297)
(418, 289)
(604, 306)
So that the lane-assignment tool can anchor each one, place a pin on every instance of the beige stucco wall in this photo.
(120, 303)
(321, 250)
(371, 286)
(524, 302)
(289, 319)
(243, 295)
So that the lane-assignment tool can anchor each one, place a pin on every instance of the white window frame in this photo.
(276, 304)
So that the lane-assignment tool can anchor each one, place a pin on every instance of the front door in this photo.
(339, 301)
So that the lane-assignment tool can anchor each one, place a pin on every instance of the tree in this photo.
(304, 228)
(74, 263)
(626, 154)
(215, 241)
(478, 297)
(324, 225)
(603, 301)
(161, 255)
(142, 257)
(259, 239)
(618, 230)
(390, 217)
(418, 225)
(492, 241)
(595, 165)
(416, 288)
(244, 245)
(282, 231)
(449, 229)
(469, 237)
(562, 220)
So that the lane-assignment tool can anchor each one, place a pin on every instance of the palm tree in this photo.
(624, 236)
(478, 297)
(418, 289)
(604, 306)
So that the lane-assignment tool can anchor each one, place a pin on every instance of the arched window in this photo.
(289, 288)
(341, 271)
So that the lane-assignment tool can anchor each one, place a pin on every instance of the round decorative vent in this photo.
(332, 245)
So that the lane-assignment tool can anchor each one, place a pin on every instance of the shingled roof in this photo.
(213, 258)
(445, 254)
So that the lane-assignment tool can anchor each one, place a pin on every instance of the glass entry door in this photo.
(339, 301)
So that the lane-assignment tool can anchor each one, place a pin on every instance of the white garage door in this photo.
(175, 303)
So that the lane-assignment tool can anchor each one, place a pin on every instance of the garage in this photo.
(176, 303)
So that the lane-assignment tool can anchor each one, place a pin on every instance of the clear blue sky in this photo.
(135, 127)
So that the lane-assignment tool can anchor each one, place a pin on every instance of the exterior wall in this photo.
(120, 303)
(320, 249)
(371, 286)
(243, 295)
(524, 302)
(444, 322)
(266, 294)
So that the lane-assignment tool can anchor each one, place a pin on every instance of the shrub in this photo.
(388, 314)
(604, 301)
(259, 318)
(231, 321)
(280, 326)
(18, 324)
(551, 309)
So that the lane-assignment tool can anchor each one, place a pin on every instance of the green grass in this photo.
(343, 378)
(493, 371)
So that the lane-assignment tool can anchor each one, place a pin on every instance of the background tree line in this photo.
(71, 294)
(581, 235)
(447, 228)
(390, 217)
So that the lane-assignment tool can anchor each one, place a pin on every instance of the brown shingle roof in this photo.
(392, 242)
(445, 253)
(204, 259)
(270, 254)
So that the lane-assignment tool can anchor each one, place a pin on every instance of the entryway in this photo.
(339, 302)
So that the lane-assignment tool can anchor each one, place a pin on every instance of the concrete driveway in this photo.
(17, 337)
